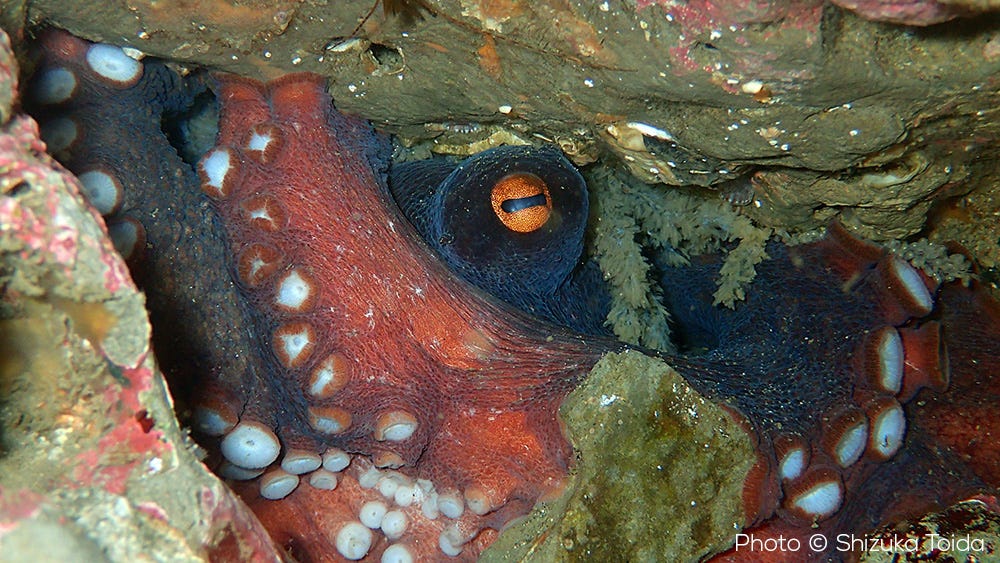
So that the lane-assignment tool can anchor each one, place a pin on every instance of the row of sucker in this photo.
(325, 377)
(890, 365)
(53, 92)
(251, 448)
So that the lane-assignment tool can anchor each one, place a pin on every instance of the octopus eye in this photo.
(522, 202)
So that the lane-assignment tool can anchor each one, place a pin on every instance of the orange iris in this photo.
(522, 202)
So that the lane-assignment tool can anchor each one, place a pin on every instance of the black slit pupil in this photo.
(521, 203)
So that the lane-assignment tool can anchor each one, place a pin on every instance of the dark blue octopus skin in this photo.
(785, 376)
(801, 357)
(544, 271)
(833, 342)
(160, 208)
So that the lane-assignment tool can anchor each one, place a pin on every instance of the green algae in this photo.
(637, 313)
(659, 473)
(630, 218)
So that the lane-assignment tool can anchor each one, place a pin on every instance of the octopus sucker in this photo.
(112, 64)
(834, 340)
(818, 415)
(327, 312)
(103, 190)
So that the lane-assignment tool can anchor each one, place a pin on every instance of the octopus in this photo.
(377, 371)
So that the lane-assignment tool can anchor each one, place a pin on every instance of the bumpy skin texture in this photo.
(950, 451)
(338, 336)
(539, 271)
(966, 419)
(793, 358)
(787, 385)
(377, 348)
(426, 374)
(833, 339)
(118, 132)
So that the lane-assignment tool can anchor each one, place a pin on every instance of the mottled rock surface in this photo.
(644, 441)
(835, 113)
(93, 465)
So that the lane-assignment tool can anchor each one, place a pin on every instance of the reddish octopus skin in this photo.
(503, 383)
(482, 384)
(950, 452)
(966, 419)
